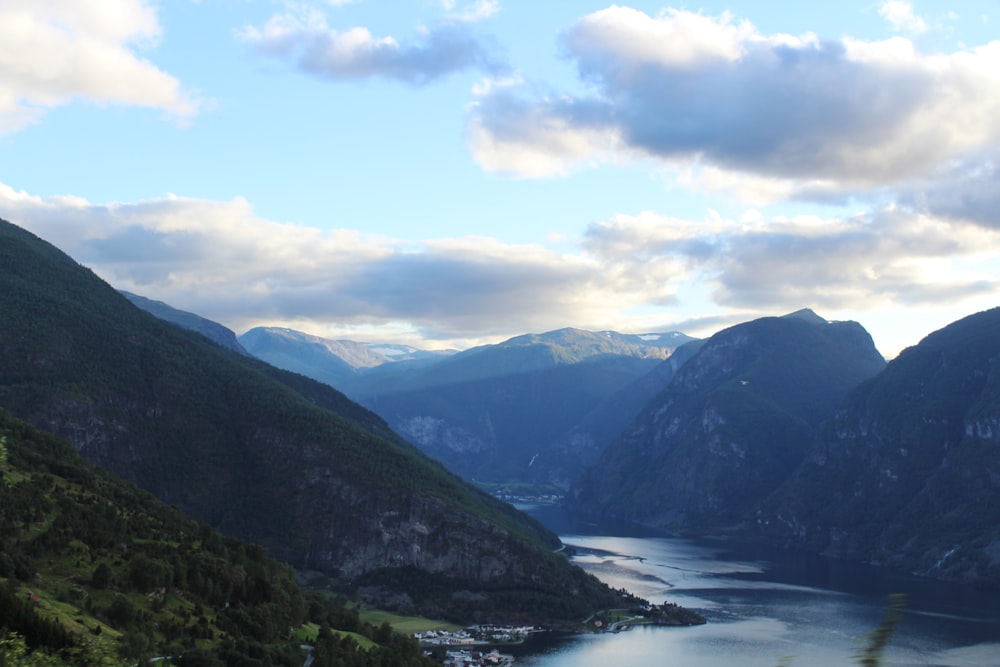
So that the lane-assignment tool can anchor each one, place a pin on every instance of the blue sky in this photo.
(446, 173)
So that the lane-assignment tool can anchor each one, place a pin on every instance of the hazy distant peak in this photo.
(672, 336)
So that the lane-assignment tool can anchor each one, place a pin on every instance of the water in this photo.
(765, 606)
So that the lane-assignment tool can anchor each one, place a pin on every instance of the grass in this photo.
(406, 625)
(308, 633)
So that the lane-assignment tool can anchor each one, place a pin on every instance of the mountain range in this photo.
(793, 430)
(906, 473)
(531, 411)
(263, 454)
(788, 429)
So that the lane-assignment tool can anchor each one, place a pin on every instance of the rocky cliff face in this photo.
(908, 473)
(731, 426)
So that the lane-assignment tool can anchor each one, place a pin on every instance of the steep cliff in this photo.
(907, 475)
(732, 425)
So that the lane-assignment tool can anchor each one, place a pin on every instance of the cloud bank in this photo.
(58, 51)
(713, 95)
(220, 260)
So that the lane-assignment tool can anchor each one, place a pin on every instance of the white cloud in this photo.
(816, 117)
(479, 10)
(631, 272)
(352, 54)
(633, 40)
(541, 138)
(218, 259)
(890, 257)
(900, 16)
(57, 51)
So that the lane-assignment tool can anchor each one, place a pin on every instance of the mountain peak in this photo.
(807, 314)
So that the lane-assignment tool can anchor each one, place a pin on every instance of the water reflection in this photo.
(765, 604)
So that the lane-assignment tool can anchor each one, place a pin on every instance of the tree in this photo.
(101, 578)
(14, 653)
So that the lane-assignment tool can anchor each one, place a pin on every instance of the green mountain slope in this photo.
(906, 475)
(207, 328)
(732, 425)
(95, 571)
(259, 453)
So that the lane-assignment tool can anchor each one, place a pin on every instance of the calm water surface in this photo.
(765, 606)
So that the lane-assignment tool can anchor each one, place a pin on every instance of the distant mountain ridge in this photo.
(515, 412)
(338, 363)
(211, 330)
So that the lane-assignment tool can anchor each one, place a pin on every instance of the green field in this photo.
(406, 625)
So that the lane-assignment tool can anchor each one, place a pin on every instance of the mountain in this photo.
(211, 330)
(532, 410)
(96, 571)
(907, 473)
(338, 363)
(517, 413)
(608, 419)
(732, 425)
(262, 454)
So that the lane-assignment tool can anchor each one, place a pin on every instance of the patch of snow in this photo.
(651, 336)
(392, 350)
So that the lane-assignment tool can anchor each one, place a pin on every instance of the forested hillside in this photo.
(263, 454)
(95, 571)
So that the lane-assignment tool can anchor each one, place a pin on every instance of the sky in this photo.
(446, 173)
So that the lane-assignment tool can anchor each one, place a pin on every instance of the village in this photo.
(459, 647)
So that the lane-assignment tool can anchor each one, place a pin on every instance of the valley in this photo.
(385, 478)
(727, 436)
